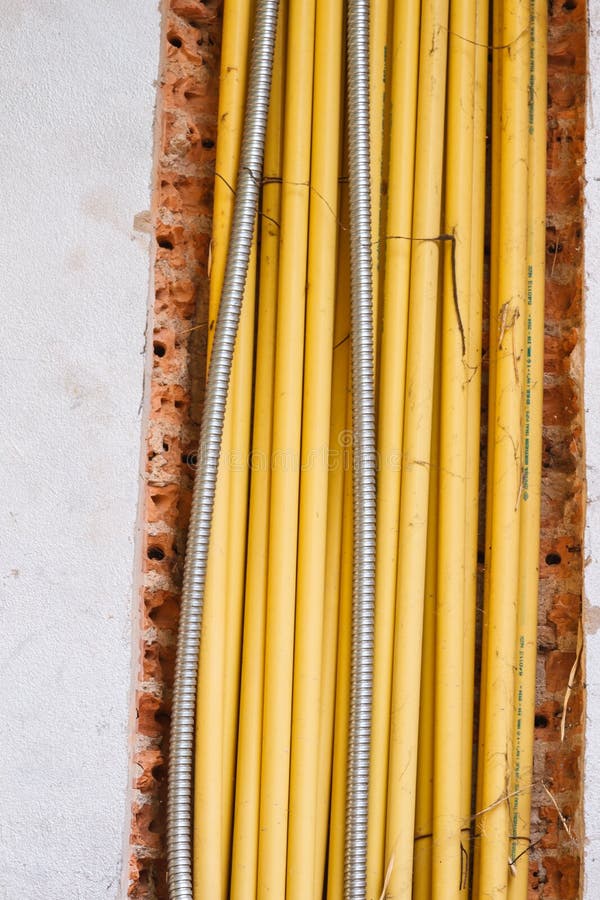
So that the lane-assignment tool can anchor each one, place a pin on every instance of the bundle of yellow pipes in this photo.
(451, 748)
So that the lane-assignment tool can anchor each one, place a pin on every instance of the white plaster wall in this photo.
(76, 120)
(592, 428)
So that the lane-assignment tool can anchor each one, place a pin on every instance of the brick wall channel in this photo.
(182, 209)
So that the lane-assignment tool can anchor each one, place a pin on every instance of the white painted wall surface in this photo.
(77, 85)
(591, 616)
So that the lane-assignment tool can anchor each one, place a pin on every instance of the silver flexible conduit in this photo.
(364, 475)
(179, 813)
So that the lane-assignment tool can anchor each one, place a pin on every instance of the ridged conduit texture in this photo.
(179, 809)
(182, 209)
(363, 436)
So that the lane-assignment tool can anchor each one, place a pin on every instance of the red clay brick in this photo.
(558, 668)
(182, 214)
(563, 877)
(565, 613)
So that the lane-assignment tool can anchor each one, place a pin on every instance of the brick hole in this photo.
(159, 500)
(159, 348)
(165, 446)
(553, 559)
(570, 5)
(159, 771)
(540, 721)
(165, 243)
(178, 404)
(155, 552)
(189, 459)
(554, 248)
(208, 143)
(163, 719)
(547, 454)
(174, 40)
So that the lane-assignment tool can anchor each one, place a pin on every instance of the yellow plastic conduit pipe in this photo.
(208, 847)
(379, 16)
(316, 411)
(340, 455)
(422, 869)
(403, 103)
(507, 469)
(450, 867)
(417, 447)
(496, 160)
(247, 788)
(233, 79)
(533, 390)
(335, 868)
(209, 746)
(285, 476)
(473, 389)
(236, 457)
(237, 533)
